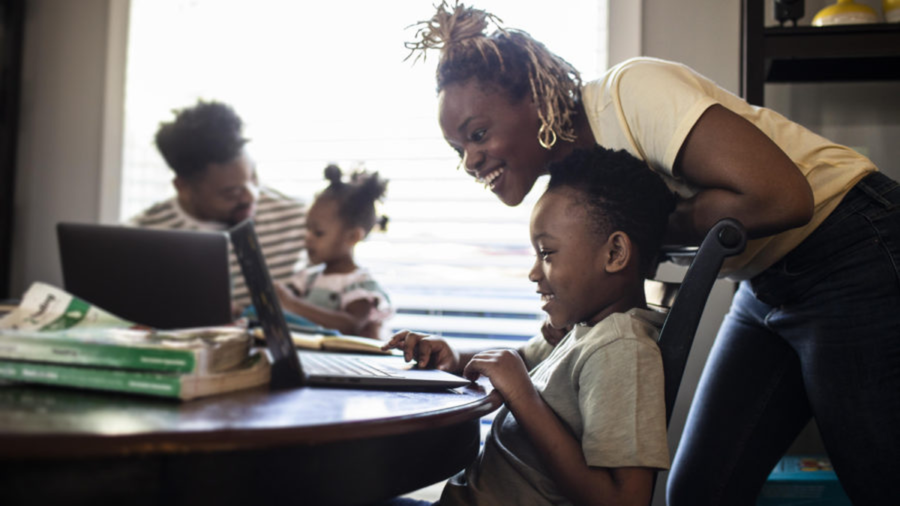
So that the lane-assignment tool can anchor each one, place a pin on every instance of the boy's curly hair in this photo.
(356, 198)
(619, 192)
(509, 59)
(208, 132)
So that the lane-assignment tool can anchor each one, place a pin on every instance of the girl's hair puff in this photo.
(509, 59)
(356, 198)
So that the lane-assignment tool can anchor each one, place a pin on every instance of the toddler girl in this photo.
(333, 291)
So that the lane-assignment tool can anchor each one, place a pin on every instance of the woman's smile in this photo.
(489, 180)
(495, 138)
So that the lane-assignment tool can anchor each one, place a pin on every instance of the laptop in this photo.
(160, 278)
(291, 368)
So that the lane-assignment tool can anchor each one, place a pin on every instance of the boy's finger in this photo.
(423, 354)
(471, 374)
(395, 340)
(472, 370)
(409, 348)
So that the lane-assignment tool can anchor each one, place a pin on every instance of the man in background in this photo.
(216, 187)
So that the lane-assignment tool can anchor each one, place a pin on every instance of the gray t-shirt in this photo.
(606, 385)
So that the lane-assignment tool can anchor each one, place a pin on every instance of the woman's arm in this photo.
(742, 174)
(580, 483)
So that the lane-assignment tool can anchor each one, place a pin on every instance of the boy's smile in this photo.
(569, 269)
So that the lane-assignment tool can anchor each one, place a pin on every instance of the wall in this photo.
(703, 34)
(60, 149)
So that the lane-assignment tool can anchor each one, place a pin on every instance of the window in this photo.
(327, 82)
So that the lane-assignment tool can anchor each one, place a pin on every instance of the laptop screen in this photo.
(160, 278)
(349, 370)
(286, 370)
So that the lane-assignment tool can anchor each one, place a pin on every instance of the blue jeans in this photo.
(815, 335)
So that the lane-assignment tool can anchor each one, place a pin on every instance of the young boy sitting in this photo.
(584, 421)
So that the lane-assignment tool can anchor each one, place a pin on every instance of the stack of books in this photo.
(57, 339)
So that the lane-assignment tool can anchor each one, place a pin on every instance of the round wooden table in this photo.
(307, 446)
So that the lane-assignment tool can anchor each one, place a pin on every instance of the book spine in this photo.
(99, 355)
(164, 385)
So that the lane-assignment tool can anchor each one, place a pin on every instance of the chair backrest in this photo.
(685, 300)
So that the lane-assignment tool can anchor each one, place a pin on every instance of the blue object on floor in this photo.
(803, 480)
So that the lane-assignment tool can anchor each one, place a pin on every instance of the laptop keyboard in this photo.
(323, 364)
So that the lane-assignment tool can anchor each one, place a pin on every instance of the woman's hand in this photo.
(427, 351)
(506, 371)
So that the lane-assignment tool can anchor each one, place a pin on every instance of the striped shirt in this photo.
(280, 223)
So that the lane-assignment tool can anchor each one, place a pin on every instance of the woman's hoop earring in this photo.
(546, 145)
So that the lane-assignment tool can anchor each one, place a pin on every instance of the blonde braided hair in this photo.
(459, 33)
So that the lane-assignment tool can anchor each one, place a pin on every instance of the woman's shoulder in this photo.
(642, 69)
(643, 85)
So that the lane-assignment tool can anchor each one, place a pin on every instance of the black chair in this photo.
(685, 300)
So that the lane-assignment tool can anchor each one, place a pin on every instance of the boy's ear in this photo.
(620, 249)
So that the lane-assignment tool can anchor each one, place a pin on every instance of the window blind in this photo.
(328, 82)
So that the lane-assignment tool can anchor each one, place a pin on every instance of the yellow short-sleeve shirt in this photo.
(648, 106)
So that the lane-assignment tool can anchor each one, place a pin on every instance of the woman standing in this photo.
(813, 330)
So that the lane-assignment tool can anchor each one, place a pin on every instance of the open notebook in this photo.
(292, 369)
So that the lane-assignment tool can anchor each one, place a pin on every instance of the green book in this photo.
(51, 325)
(253, 372)
(200, 350)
